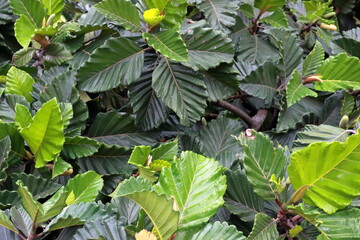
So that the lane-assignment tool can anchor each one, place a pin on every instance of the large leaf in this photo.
(208, 48)
(220, 14)
(269, 5)
(19, 82)
(124, 207)
(53, 6)
(214, 231)
(295, 90)
(217, 140)
(149, 110)
(197, 184)
(347, 45)
(181, 89)
(108, 161)
(330, 170)
(118, 61)
(168, 43)
(264, 228)
(17, 143)
(5, 12)
(322, 133)
(84, 187)
(5, 222)
(314, 60)
(33, 10)
(339, 72)
(240, 198)
(119, 130)
(174, 11)
(5, 147)
(123, 11)
(56, 54)
(45, 134)
(262, 82)
(77, 147)
(261, 161)
(24, 30)
(158, 207)
(343, 224)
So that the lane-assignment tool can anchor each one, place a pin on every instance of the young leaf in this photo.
(122, 11)
(33, 10)
(207, 186)
(22, 116)
(277, 19)
(168, 43)
(261, 161)
(328, 188)
(53, 6)
(19, 82)
(60, 167)
(45, 134)
(85, 187)
(314, 60)
(264, 228)
(118, 61)
(166, 151)
(295, 90)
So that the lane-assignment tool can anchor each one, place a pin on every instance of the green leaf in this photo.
(214, 231)
(197, 184)
(22, 116)
(323, 133)
(19, 82)
(118, 61)
(181, 89)
(219, 14)
(149, 110)
(261, 161)
(262, 82)
(168, 43)
(295, 90)
(310, 214)
(123, 11)
(5, 12)
(53, 6)
(348, 104)
(175, 11)
(60, 167)
(140, 155)
(158, 207)
(208, 48)
(329, 188)
(276, 19)
(240, 198)
(23, 56)
(166, 151)
(217, 140)
(264, 228)
(314, 60)
(132, 185)
(56, 54)
(85, 187)
(33, 10)
(269, 5)
(5, 147)
(17, 143)
(344, 224)
(339, 72)
(45, 134)
(78, 147)
(346, 45)
(5, 222)
(76, 214)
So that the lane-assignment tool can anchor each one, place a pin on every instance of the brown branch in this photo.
(235, 110)
(259, 118)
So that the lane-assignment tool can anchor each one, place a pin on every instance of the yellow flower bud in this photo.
(153, 16)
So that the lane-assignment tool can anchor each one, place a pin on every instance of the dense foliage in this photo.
(179, 119)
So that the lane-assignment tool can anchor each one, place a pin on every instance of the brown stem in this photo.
(235, 110)
(42, 40)
(259, 118)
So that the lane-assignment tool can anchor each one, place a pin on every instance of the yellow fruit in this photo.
(330, 27)
(153, 16)
(344, 122)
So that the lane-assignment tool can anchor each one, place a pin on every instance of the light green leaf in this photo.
(33, 10)
(132, 185)
(264, 228)
(23, 56)
(22, 116)
(122, 11)
(174, 11)
(330, 170)
(208, 48)
(314, 60)
(5, 222)
(269, 5)
(342, 225)
(78, 147)
(220, 14)
(197, 184)
(168, 43)
(158, 207)
(181, 89)
(166, 151)
(19, 82)
(276, 19)
(60, 166)
(348, 104)
(295, 90)
(53, 6)
(85, 187)
(45, 135)
(121, 63)
(66, 113)
(261, 161)
(24, 30)
(32, 207)
(310, 214)
(213, 231)
(339, 72)
(140, 155)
